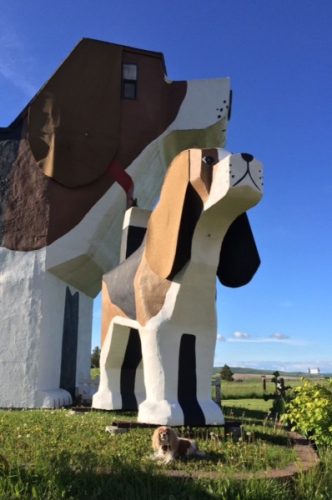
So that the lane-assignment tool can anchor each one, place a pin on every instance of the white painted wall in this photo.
(31, 328)
(21, 317)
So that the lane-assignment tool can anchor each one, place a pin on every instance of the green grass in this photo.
(32, 438)
(250, 388)
(247, 409)
(57, 454)
(94, 372)
(253, 387)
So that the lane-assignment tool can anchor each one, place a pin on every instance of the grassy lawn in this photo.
(62, 454)
(252, 388)
(33, 438)
(58, 454)
(247, 409)
(246, 404)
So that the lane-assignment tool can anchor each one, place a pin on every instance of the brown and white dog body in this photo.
(167, 445)
(161, 299)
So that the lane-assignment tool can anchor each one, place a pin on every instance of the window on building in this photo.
(129, 81)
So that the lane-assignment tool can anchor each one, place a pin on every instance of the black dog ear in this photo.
(192, 209)
(239, 259)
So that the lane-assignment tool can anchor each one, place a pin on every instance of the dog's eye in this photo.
(208, 160)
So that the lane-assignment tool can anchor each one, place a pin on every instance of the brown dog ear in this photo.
(74, 121)
(239, 259)
(172, 223)
(155, 439)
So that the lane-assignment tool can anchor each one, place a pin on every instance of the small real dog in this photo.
(167, 445)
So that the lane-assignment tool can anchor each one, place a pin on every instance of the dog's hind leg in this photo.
(121, 384)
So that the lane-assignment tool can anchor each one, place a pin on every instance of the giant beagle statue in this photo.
(107, 121)
(159, 304)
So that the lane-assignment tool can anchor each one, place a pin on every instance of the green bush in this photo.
(226, 373)
(95, 357)
(310, 412)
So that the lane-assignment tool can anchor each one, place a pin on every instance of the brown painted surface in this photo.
(109, 311)
(150, 292)
(74, 121)
(39, 209)
(156, 106)
(27, 211)
(68, 206)
(164, 223)
(201, 172)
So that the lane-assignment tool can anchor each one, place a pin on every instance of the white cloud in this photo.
(241, 335)
(221, 338)
(275, 337)
(15, 62)
(268, 340)
(279, 336)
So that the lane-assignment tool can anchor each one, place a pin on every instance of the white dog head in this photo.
(197, 181)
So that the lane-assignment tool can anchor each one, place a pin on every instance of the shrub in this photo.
(95, 357)
(310, 412)
(226, 374)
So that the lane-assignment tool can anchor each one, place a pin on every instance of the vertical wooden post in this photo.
(217, 397)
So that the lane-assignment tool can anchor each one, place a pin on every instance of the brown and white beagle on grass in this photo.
(167, 446)
(159, 304)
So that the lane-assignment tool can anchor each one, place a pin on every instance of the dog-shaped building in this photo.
(107, 121)
(159, 304)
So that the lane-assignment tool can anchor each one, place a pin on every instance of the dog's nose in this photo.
(247, 157)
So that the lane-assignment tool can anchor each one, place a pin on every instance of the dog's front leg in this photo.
(177, 377)
(160, 351)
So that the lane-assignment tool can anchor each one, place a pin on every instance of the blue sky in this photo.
(279, 57)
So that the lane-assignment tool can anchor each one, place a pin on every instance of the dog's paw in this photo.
(56, 398)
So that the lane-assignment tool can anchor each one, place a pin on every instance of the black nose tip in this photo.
(247, 157)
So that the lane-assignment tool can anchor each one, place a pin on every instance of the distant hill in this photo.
(254, 371)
